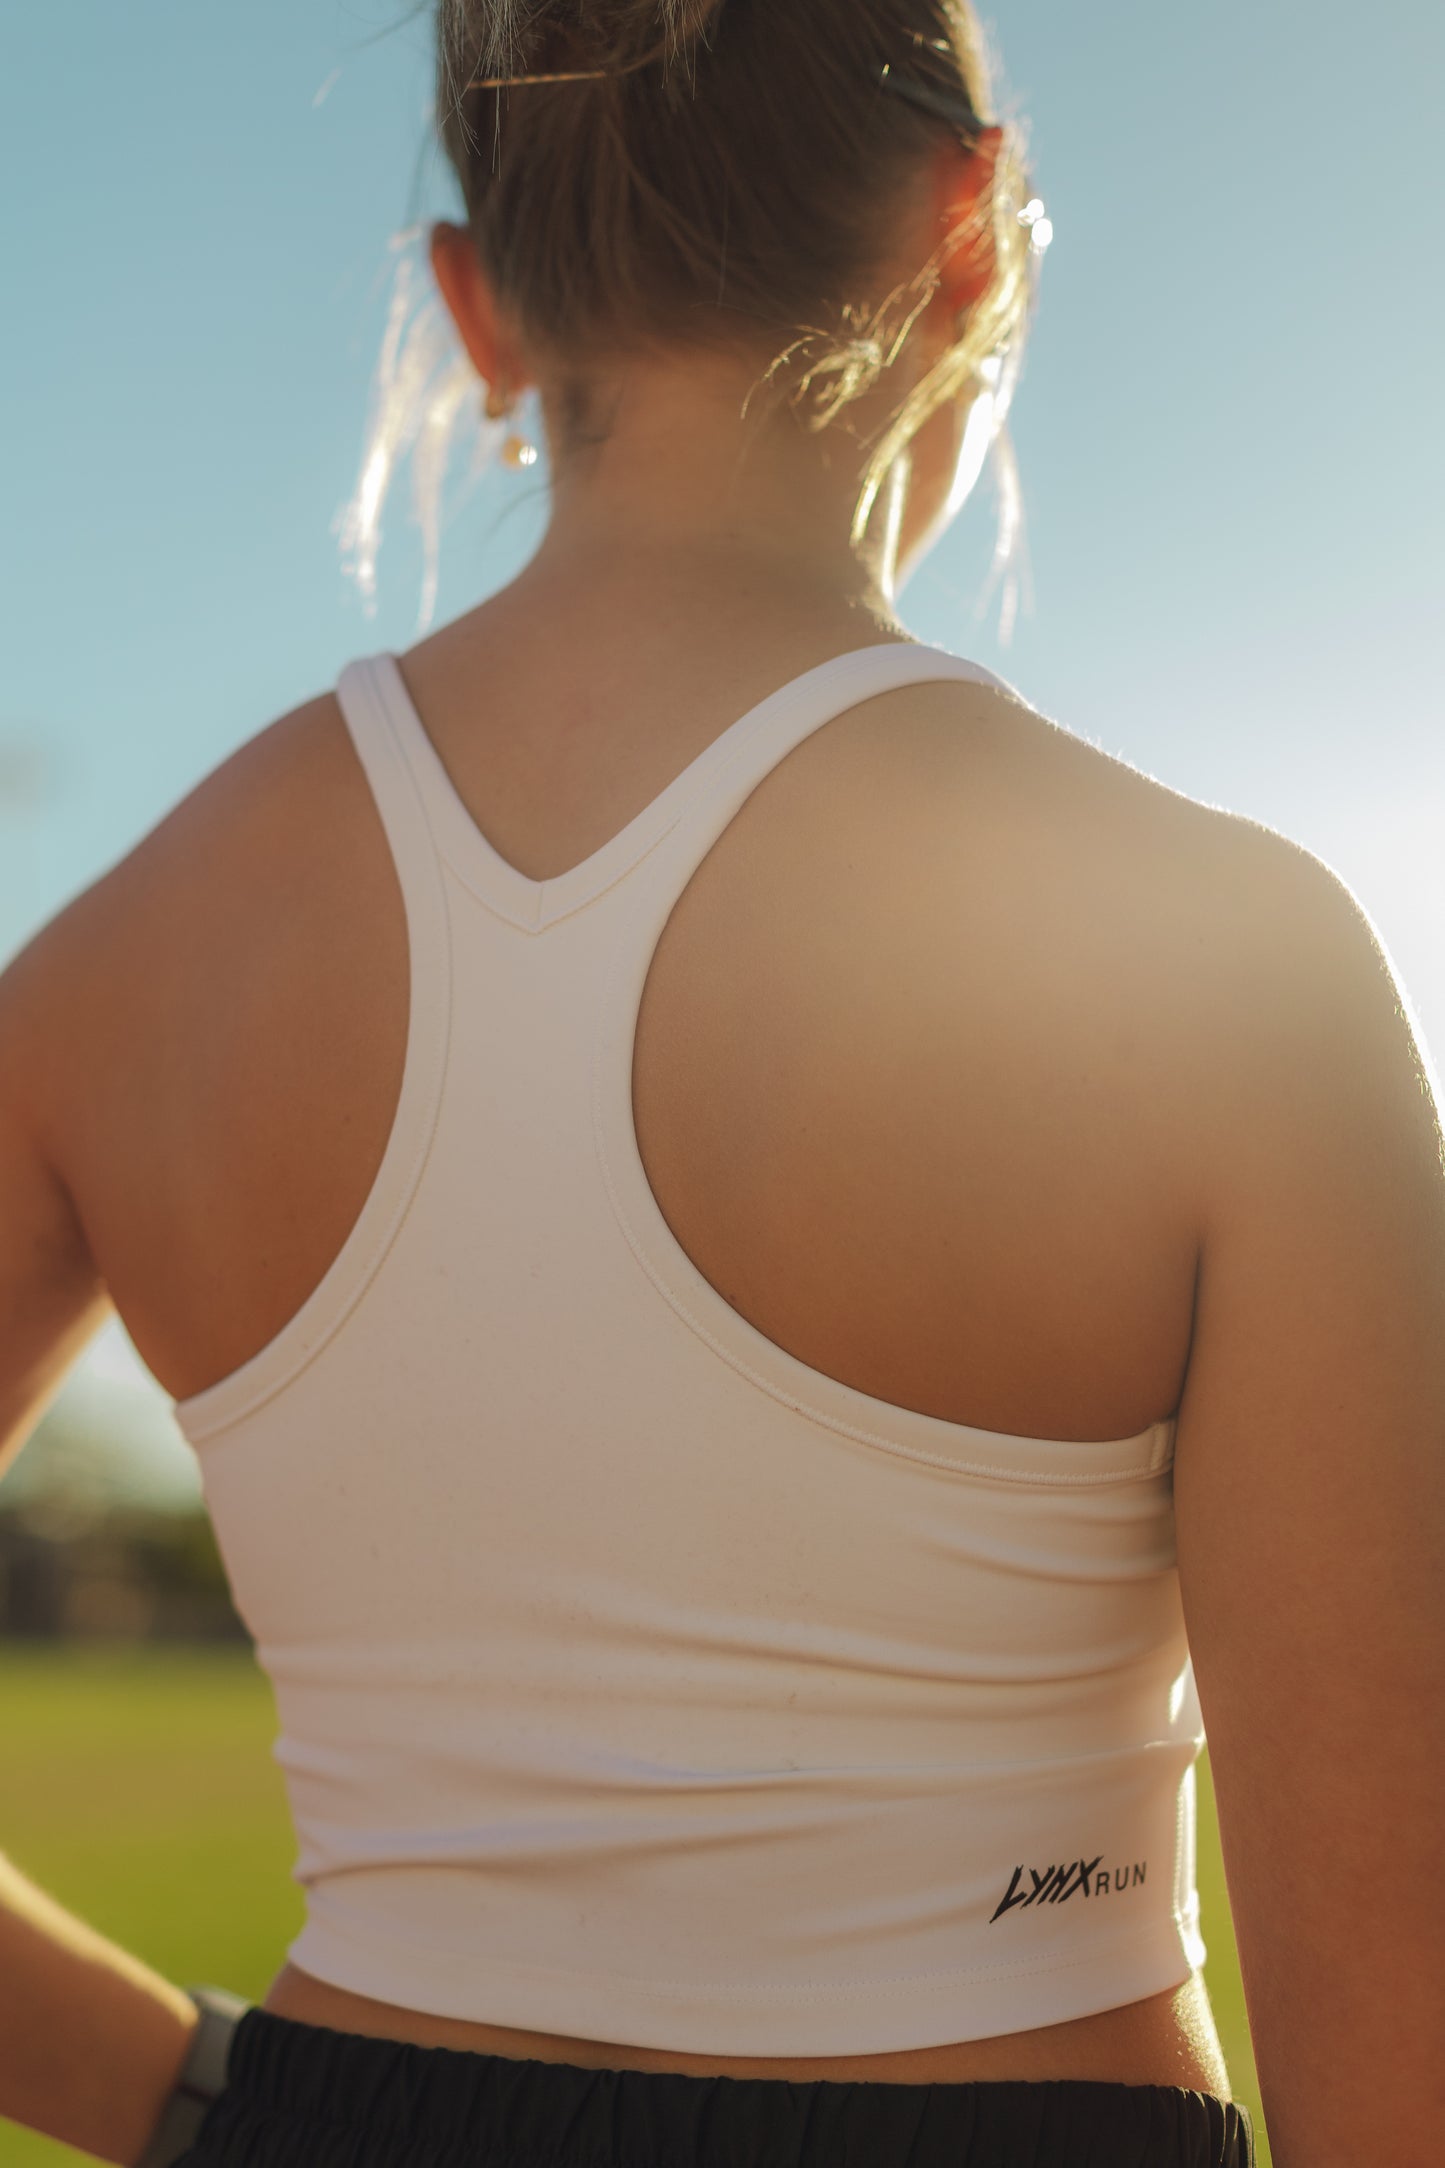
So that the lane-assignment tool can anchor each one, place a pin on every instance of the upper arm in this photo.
(51, 1295)
(1310, 1501)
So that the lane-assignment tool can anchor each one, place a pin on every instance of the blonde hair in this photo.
(728, 174)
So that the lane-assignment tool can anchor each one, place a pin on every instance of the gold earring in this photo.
(517, 450)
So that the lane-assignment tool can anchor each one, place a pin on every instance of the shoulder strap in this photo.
(347, 1278)
(361, 693)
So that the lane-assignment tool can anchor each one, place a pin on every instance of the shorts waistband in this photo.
(453, 2107)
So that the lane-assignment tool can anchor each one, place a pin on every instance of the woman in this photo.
(758, 1246)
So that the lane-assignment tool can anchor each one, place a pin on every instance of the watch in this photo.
(202, 2080)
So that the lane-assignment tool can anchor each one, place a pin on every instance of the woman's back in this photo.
(918, 1078)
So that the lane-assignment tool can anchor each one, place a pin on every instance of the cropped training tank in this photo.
(637, 1681)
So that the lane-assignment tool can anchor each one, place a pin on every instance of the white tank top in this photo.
(635, 1680)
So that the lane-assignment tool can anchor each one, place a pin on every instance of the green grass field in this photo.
(137, 1787)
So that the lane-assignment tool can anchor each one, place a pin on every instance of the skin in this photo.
(1212, 1186)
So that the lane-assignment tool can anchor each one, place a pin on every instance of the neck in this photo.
(683, 472)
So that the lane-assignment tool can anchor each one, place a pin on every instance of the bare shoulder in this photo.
(1117, 857)
(126, 1014)
(983, 744)
(1308, 1018)
(1251, 981)
(1267, 939)
(236, 821)
(219, 874)
(202, 1024)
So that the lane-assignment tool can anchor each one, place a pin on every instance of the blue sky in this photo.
(1229, 426)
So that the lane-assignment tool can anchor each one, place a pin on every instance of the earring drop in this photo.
(516, 450)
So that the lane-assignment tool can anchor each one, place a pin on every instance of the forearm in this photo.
(91, 2040)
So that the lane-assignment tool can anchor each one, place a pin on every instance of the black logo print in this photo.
(1057, 1884)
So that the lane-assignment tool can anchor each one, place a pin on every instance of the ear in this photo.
(472, 305)
(963, 186)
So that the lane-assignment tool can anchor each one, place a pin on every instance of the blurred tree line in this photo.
(88, 1552)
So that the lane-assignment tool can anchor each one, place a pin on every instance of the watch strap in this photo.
(202, 2079)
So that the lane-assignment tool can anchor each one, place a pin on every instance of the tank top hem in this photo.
(853, 2016)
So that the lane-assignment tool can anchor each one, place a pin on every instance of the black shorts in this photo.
(300, 2097)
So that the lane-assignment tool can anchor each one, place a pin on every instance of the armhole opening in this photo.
(381, 750)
